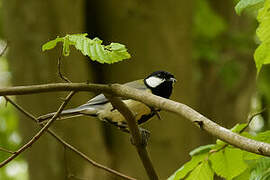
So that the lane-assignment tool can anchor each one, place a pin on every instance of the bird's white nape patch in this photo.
(154, 81)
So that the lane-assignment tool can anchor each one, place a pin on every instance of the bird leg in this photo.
(156, 112)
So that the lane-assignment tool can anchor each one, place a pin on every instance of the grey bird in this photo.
(159, 83)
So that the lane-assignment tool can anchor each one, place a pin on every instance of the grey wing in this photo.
(97, 101)
(101, 99)
(139, 84)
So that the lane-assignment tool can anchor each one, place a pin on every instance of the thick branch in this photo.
(136, 136)
(69, 146)
(35, 89)
(151, 100)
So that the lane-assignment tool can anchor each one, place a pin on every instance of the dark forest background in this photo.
(202, 42)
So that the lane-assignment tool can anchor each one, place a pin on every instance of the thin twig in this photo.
(59, 70)
(4, 50)
(40, 133)
(6, 150)
(249, 119)
(136, 136)
(70, 147)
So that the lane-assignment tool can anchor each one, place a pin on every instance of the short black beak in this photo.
(173, 80)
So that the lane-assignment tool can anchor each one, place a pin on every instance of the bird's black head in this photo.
(160, 83)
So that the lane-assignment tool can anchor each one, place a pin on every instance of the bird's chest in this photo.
(140, 110)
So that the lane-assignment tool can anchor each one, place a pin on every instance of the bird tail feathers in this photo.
(69, 113)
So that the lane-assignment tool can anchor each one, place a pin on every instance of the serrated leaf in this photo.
(202, 149)
(189, 166)
(244, 176)
(202, 172)
(228, 163)
(66, 46)
(260, 169)
(245, 4)
(250, 156)
(263, 136)
(112, 53)
(262, 53)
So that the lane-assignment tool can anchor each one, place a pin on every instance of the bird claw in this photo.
(145, 134)
(158, 115)
(156, 112)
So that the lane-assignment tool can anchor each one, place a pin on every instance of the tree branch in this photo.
(67, 145)
(6, 150)
(136, 136)
(59, 69)
(35, 89)
(154, 101)
(4, 49)
(40, 133)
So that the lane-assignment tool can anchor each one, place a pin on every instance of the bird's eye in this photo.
(158, 75)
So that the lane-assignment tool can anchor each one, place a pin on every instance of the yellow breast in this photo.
(139, 109)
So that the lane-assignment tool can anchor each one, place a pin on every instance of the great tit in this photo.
(159, 83)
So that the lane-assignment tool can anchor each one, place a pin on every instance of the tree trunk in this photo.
(157, 34)
(28, 25)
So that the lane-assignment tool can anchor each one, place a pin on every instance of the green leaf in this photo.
(245, 4)
(228, 163)
(238, 127)
(263, 136)
(202, 172)
(66, 48)
(263, 18)
(244, 176)
(260, 169)
(250, 156)
(262, 53)
(112, 53)
(189, 166)
(51, 44)
(202, 149)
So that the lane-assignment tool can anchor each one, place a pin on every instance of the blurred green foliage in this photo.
(262, 53)
(211, 39)
(9, 136)
(1, 20)
(207, 27)
(226, 161)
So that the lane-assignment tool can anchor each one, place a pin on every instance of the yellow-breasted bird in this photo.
(159, 83)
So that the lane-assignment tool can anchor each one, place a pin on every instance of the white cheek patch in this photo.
(154, 81)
